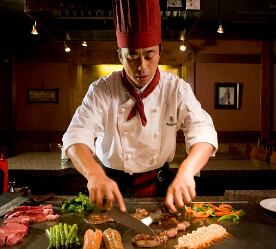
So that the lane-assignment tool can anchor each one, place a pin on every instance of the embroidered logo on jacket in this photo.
(171, 123)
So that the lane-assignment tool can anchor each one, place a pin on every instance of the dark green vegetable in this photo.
(80, 203)
(241, 213)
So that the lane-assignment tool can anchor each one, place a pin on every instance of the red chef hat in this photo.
(137, 23)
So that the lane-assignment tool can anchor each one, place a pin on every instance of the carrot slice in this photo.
(92, 239)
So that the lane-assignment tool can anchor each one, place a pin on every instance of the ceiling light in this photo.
(182, 47)
(220, 29)
(34, 31)
(84, 44)
(67, 49)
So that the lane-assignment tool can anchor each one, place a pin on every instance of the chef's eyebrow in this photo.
(134, 53)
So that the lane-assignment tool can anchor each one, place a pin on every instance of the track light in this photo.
(34, 31)
(67, 49)
(220, 29)
(84, 44)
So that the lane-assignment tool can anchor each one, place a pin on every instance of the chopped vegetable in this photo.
(78, 204)
(224, 211)
(233, 217)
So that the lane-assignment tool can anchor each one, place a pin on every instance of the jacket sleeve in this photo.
(196, 123)
(89, 118)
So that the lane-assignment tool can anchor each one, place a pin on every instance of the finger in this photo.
(178, 199)
(99, 199)
(119, 198)
(109, 201)
(169, 201)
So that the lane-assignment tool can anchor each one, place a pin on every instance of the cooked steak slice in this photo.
(183, 225)
(140, 213)
(169, 227)
(97, 219)
(145, 240)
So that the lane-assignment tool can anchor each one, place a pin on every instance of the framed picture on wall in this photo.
(227, 95)
(42, 95)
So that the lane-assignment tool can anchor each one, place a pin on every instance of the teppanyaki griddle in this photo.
(253, 231)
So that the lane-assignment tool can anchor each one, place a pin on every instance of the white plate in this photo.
(269, 204)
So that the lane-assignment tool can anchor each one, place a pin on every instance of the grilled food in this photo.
(92, 239)
(202, 237)
(112, 239)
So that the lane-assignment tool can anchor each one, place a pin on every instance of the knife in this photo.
(126, 219)
(12, 204)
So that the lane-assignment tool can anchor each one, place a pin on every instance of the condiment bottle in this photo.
(4, 167)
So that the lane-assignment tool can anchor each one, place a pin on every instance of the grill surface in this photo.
(255, 230)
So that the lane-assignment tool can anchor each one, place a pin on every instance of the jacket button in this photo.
(123, 110)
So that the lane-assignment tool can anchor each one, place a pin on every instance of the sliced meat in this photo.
(12, 234)
(145, 240)
(14, 228)
(22, 208)
(28, 212)
(19, 219)
(140, 213)
(97, 219)
(168, 227)
(183, 225)
(13, 239)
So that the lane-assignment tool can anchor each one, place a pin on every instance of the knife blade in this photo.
(12, 204)
(126, 219)
(152, 217)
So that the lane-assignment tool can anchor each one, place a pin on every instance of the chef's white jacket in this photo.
(127, 145)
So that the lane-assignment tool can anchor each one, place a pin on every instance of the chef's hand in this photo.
(181, 191)
(103, 191)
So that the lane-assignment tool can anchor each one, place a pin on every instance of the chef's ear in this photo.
(119, 51)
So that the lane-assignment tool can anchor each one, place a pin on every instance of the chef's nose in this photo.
(143, 64)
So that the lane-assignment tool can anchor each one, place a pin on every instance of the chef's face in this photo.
(140, 64)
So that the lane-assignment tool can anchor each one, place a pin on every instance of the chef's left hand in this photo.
(181, 191)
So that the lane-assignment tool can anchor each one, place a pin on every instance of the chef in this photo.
(130, 119)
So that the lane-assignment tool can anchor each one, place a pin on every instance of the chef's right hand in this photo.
(103, 191)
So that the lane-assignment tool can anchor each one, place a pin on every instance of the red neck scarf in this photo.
(139, 106)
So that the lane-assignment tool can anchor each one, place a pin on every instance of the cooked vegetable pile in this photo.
(78, 204)
(63, 236)
(224, 211)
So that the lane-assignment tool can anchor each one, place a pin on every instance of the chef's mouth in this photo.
(142, 77)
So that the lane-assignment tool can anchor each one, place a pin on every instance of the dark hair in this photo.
(120, 49)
